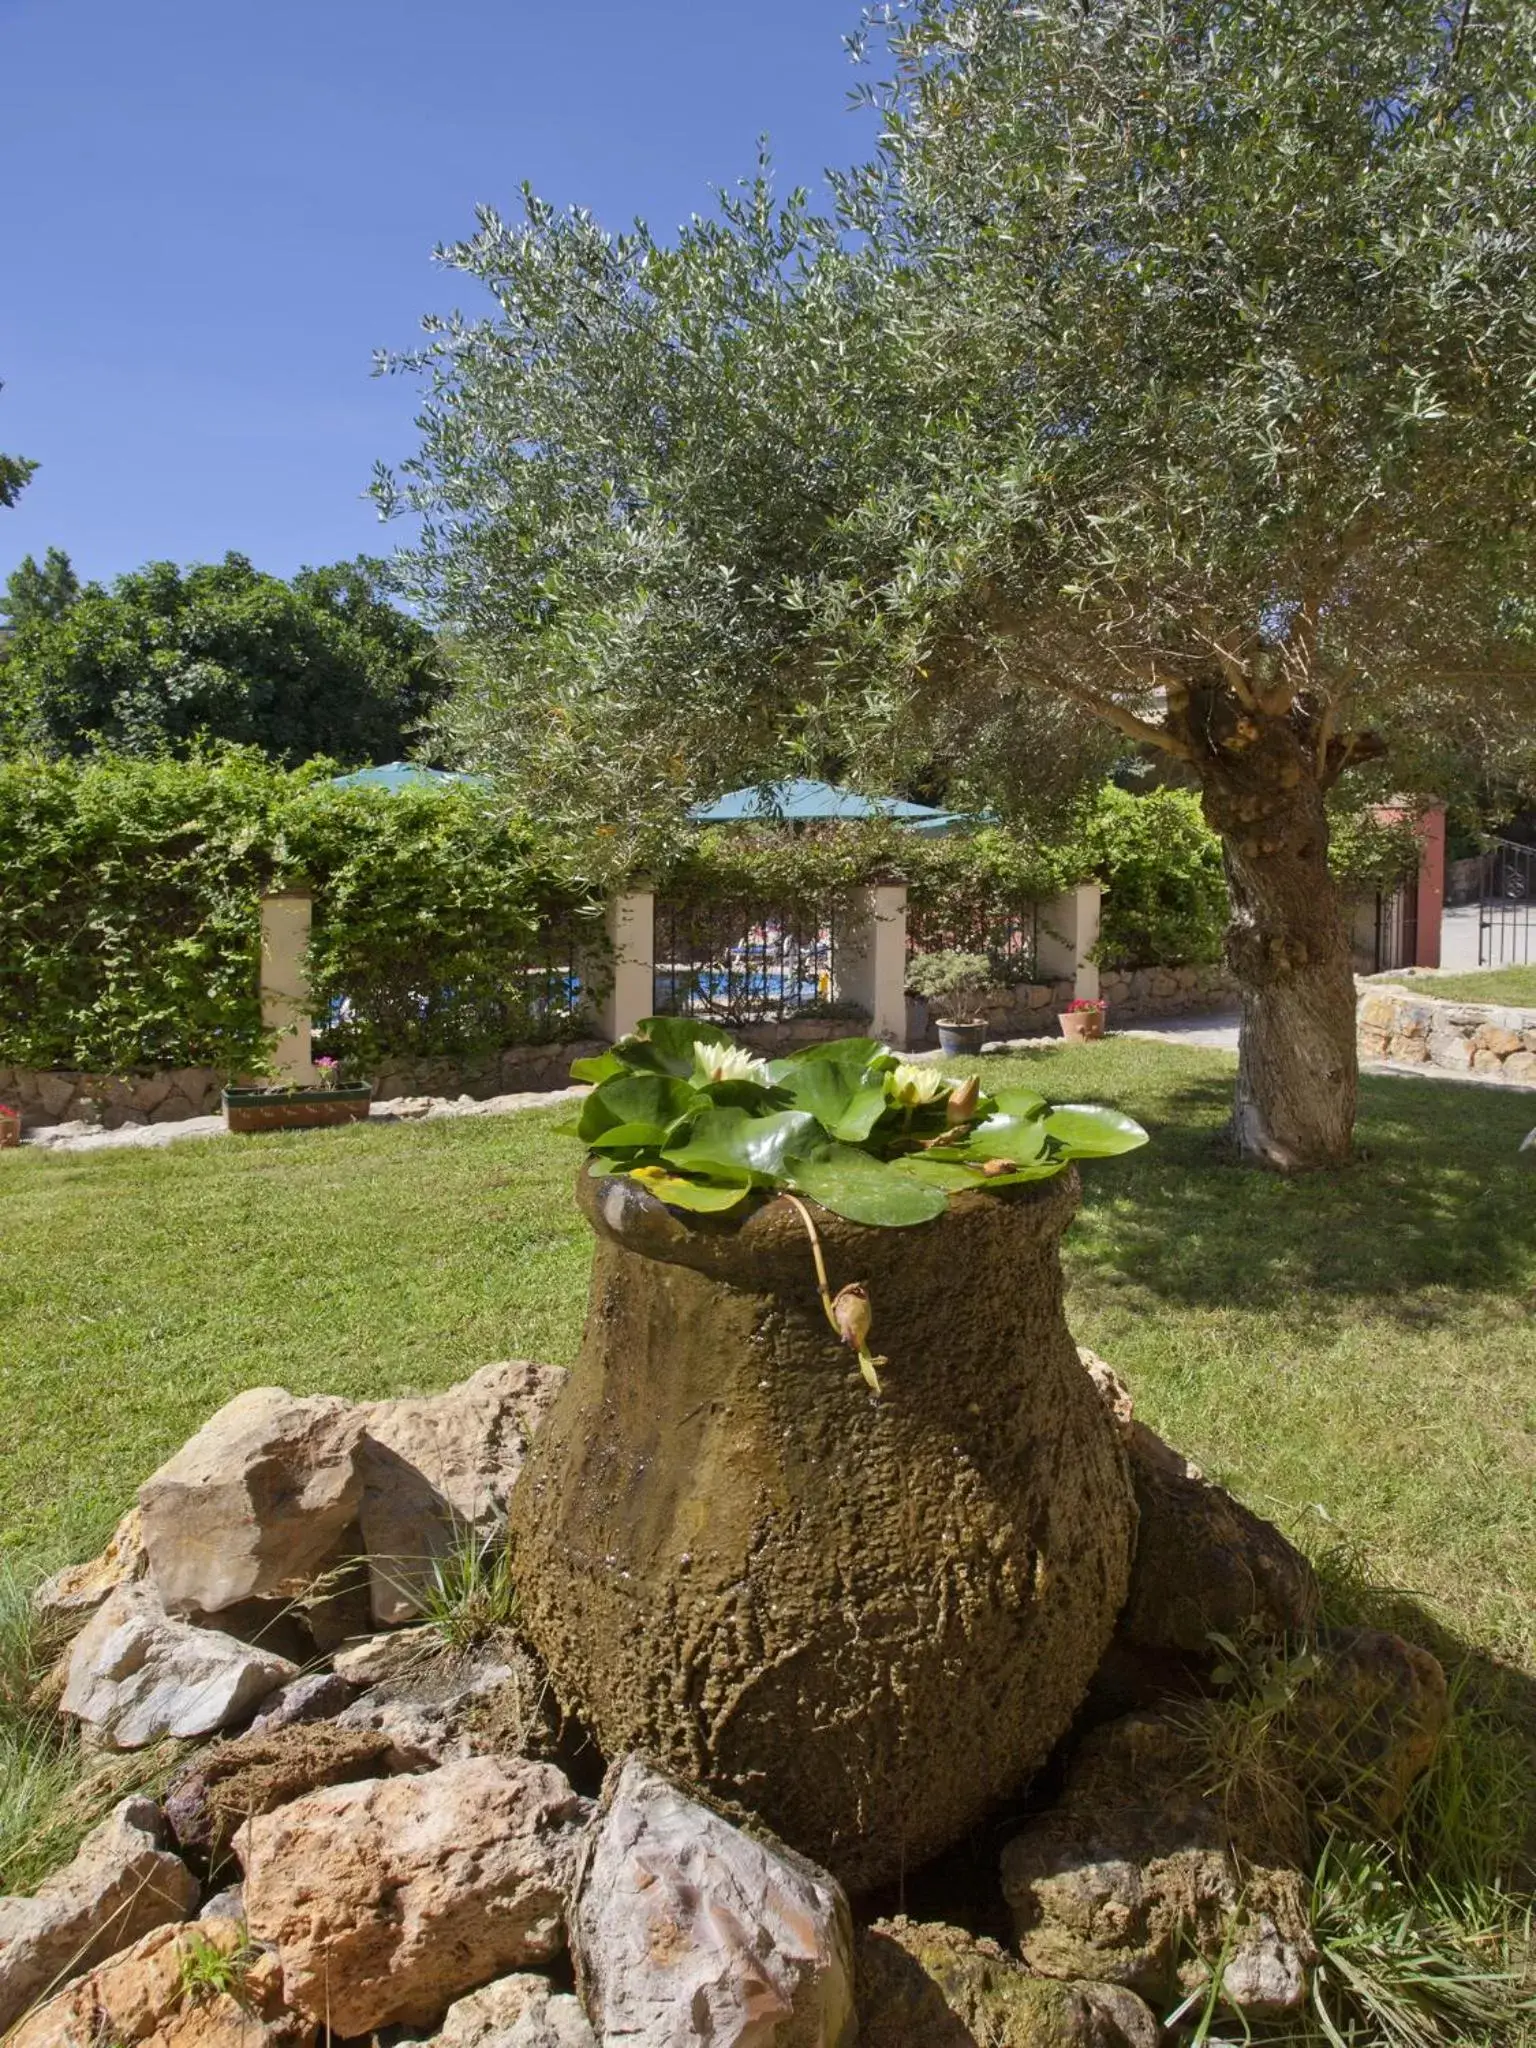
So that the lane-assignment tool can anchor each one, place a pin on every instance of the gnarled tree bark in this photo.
(1263, 781)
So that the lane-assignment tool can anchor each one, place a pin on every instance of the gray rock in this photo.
(686, 1929)
(317, 1696)
(521, 2011)
(254, 1506)
(437, 1472)
(228, 1904)
(136, 1674)
(121, 1885)
(442, 1706)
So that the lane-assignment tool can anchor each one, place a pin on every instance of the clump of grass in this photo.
(1409, 1964)
(208, 1971)
(53, 1790)
(465, 1592)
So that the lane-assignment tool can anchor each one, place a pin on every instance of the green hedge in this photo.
(130, 936)
(129, 926)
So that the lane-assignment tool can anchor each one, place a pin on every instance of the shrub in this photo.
(1165, 898)
(130, 927)
(953, 983)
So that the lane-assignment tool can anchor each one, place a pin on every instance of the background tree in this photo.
(322, 665)
(15, 473)
(1171, 370)
(46, 592)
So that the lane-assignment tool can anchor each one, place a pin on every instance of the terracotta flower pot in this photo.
(864, 1621)
(10, 1129)
(295, 1109)
(1081, 1024)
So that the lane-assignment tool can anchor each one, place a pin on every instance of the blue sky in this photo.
(213, 211)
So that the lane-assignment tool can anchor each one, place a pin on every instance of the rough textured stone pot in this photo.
(295, 1109)
(863, 1621)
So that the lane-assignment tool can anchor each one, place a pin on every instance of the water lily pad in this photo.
(1087, 1130)
(738, 1142)
(852, 1183)
(635, 1098)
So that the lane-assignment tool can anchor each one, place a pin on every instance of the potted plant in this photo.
(280, 1106)
(784, 1566)
(10, 1126)
(953, 986)
(1083, 1018)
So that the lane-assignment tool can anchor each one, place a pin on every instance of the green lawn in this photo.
(1513, 985)
(1355, 1353)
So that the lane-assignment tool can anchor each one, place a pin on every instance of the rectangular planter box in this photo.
(299, 1109)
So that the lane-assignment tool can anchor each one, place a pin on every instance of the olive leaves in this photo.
(704, 1125)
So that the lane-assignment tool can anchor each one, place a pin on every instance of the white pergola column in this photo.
(631, 926)
(285, 998)
(870, 958)
(1068, 933)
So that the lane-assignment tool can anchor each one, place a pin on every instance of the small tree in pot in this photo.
(730, 1555)
(954, 986)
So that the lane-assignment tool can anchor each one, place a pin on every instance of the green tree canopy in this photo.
(1169, 371)
(322, 665)
(40, 592)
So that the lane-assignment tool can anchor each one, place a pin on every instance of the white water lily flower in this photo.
(728, 1063)
(911, 1085)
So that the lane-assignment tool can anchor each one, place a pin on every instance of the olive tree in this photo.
(1170, 371)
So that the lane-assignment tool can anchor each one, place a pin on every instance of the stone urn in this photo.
(861, 1620)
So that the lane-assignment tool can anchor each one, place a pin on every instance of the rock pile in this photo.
(384, 1830)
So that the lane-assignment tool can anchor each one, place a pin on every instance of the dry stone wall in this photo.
(1397, 1023)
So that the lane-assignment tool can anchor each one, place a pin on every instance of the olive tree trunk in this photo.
(863, 1621)
(1288, 950)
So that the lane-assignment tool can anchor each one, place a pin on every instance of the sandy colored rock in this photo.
(1135, 1867)
(136, 1674)
(138, 1999)
(685, 1928)
(255, 1504)
(928, 1984)
(1368, 1724)
(521, 2011)
(72, 1596)
(437, 1473)
(1496, 1038)
(260, 1770)
(121, 1883)
(386, 1900)
(1205, 1565)
(734, 1560)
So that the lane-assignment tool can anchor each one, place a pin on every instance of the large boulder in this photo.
(1205, 1565)
(686, 1929)
(789, 1594)
(520, 2011)
(136, 1674)
(256, 1504)
(1134, 1877)
(437, 1473)
(67, 1601)
(388, 1899)
(262, 1769)
(1366, 1725)
(122, 1883)
(195, 1987)
(931, 1986)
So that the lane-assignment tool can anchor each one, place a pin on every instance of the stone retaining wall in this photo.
(1029, 1009)
(1394, 1022)
(168, 1097)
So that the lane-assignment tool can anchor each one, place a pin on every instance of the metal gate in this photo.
(1385, 929)
(1506, 910)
